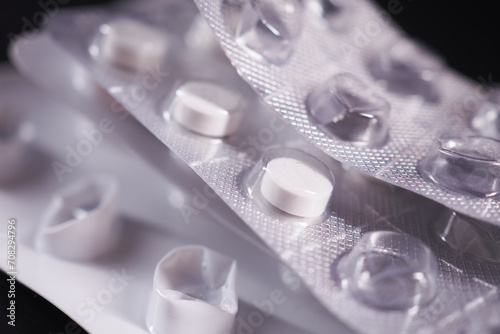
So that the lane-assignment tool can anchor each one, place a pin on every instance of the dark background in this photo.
(34, 315)
(465, 33)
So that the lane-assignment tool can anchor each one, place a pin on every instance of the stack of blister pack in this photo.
(249, 166)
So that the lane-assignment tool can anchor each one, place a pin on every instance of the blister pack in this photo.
(380, 258)
(367, 95)
(109, 246)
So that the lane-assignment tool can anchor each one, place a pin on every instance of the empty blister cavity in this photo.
(469, 236)
(80, 222)
(15, 139)
(194, 291)
(267, 29)
(207, 108)
(389, 270)
(292, 181)
(469, 164)
(487, 117)
(408, 68)
(344, 107)
(130, 44)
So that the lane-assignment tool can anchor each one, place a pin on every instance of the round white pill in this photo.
(131, 44)
(207, 108)
(295, 187)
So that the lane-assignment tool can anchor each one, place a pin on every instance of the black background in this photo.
(34, 315)
(465, 33)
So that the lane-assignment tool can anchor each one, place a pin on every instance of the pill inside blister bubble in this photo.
(80, 222)
(130, 44)
(487, 116)
(194, 291)
(469, 236)
(469, 165)
(292, 181)
(344, 106)
(207, 108)
(267, 29)
(408, 68)
(15, 149)
(389, 270)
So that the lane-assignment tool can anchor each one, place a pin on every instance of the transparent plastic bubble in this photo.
(344, 107)
(469, 164)
(389, 270)
(266, 29)
(469, 236)
(487, 118)
(336, 12)
(408, 68)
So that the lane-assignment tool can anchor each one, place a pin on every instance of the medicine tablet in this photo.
(207, 108)
(295, 187)
(132, 44)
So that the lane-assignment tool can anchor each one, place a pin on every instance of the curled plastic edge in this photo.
(389, 270)
(468, 165)
(469, 236)
(194, 291)
(266, 29)
(292, 183)
(80, 222)
(15, 145)
(344, 107)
